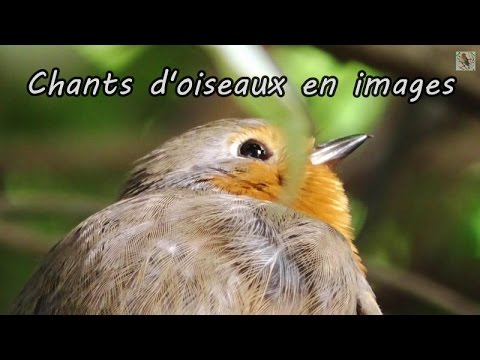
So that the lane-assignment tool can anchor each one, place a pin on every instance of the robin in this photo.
(200, 229)
(464, 59)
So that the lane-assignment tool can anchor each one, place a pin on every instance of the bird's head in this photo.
(248, 157)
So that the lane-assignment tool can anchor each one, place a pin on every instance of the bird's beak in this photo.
(335, 150)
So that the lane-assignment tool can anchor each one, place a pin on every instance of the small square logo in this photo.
(465, 60)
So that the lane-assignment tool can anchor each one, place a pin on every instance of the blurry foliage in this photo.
(359, 214)
(470, 205)
(60, 150)
(113, 57)
(341, 114)
(390, 244)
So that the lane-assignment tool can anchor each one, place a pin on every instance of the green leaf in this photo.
(111, 57)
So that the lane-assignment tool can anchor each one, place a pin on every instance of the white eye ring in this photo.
(234, 148)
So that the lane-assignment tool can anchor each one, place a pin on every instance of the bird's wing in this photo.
(181, 252)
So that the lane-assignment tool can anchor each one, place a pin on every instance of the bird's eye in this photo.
(254, 149)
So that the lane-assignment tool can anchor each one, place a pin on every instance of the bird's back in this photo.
(186, 252)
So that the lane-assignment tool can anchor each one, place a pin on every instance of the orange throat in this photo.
(321, 194)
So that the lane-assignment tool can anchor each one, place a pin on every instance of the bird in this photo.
(464, 59)
(200, 229)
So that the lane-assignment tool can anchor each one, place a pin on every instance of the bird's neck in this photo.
(321, 194)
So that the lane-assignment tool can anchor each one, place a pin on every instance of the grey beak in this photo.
(335, 150)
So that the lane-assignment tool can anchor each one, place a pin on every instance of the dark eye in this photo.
(254, 149)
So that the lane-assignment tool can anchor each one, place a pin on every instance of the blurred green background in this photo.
(415, 188)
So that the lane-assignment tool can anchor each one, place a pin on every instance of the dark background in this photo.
(415, 187)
